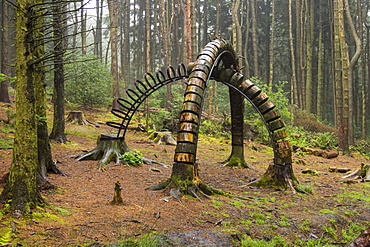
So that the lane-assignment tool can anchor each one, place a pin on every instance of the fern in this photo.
(6, 237)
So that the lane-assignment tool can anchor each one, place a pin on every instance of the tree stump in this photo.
(117, 198)
(163, 138)
(109, 148)
(77, 117)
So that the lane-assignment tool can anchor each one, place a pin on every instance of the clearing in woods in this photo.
(80, 212)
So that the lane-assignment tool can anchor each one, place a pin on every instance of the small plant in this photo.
(132, 158)
(217, 204)
(330, 230)
(304, 226)
(305, 188)
(325, 141)
(6, 237)
(284, 221)
(276, 241)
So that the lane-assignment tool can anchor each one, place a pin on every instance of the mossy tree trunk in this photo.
(21, 186)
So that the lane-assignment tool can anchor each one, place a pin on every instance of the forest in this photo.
(310, 57)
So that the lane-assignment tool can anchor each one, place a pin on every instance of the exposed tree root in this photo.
(234, 161)
(278, 176)
(195, 188)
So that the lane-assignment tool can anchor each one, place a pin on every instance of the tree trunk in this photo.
(309, 64)
(126, 66)
(21, 187)
(246, 70)
(344, 127)
(254, 39)
(4, 94)
(293, 81)
(113, 20)
(271, 48)
(320, 76)
(351, 66)
(57, 132)
(164, 23)
(83, 29)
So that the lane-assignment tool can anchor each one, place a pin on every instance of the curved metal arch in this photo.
(215, 52)
(142, 91)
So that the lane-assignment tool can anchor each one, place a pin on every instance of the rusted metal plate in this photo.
(275, 125)
(185, 137)
(185, 147)
(202, 62)
(188, 127)
(260, 99)
(184, 158)
(246, 84)
(266, 107)
(279, 135)
(225, 75)
(189, 117)
(196, 81)
(193, 97)
(190, 106)
(271, 116)
(199, 74)
(284, 149)
(202, 67)
(195, 89)
(209, 53)
(205, 57)
(236, 79)
(252, 92)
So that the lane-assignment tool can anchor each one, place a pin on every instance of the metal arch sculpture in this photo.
(218, 61)
(143, 91)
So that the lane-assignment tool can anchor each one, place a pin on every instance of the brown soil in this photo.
(80, 212)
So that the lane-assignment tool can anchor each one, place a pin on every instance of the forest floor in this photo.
(80, 214)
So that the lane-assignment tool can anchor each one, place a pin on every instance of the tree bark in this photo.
(293, 81)
(57, 132)
(309, 57)
(272, 43)
(113, 20)
(4, 93)
(254, 39)
(21, 186)
(351, 66)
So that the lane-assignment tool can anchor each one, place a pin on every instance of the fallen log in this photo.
(339, 169)
(363, 173)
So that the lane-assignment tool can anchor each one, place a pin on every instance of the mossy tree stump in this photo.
(163, 138)
(77, 117)
(109, 148)
(280, 174)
